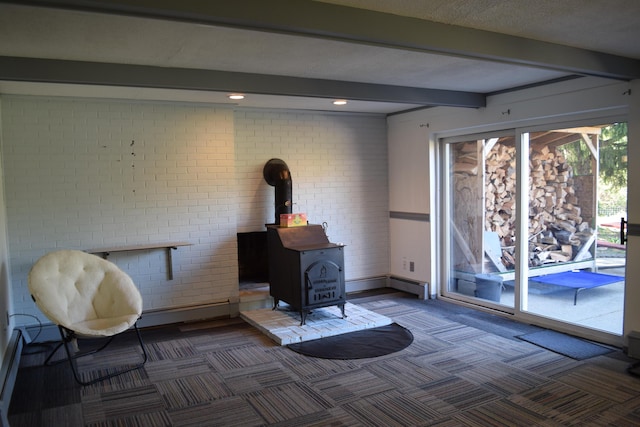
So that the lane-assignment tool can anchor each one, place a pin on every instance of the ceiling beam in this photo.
(317, 19)
(108, 74)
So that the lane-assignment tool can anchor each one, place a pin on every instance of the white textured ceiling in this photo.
(609, 26)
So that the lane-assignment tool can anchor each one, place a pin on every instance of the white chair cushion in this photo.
(84, 293)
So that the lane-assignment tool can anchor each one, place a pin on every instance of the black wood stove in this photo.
(305, 270)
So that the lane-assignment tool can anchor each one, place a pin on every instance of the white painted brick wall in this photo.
(86, 174)
(338, 166)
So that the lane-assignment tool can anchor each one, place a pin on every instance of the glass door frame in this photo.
(444, 231)
(444, 246)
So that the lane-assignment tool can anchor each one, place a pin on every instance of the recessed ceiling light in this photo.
(236, 96)
(340, 102)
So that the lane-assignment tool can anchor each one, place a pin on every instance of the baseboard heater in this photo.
(49, 332)
(8, 374)
(421, 289)
(189, 314)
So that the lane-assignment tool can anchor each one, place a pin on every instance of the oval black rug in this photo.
(363, 344)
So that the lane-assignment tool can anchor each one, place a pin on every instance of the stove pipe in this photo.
(277, 174)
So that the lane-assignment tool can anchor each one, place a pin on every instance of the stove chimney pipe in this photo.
(277, 174)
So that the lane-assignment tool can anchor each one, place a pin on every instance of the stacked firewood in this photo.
(500, 188)
(557, 231)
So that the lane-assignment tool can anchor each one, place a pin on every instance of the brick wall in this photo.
(86, 174)
(92, 173)
(338, 167)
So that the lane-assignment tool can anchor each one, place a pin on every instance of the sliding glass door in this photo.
(480, 209)
(558, 259)
(577, 266)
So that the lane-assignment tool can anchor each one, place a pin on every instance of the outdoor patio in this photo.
(599, 308)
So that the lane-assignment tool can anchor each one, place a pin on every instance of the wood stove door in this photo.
(323, 283)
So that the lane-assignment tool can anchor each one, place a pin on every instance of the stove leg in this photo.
(303, 318)
(275, 304)
(344, 316)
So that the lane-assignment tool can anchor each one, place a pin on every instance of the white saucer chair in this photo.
(87, 297)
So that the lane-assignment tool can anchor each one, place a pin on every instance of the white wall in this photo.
(87, 173)
(408, 141)
(339, 171)
(409, 194)
(632, 290)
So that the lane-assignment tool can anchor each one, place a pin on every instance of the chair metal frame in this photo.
(67, 336)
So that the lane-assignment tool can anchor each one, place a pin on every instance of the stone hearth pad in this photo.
(283, 325)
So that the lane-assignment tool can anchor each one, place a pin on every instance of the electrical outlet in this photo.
(412, 266)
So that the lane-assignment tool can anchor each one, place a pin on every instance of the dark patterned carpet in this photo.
(464, 368)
